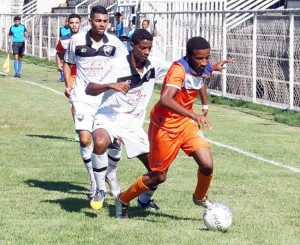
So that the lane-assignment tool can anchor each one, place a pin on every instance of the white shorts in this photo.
(135, 141)
(84, 116)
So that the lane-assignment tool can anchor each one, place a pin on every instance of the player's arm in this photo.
(176, 76)
(154, 28)
(9, 40)
(67, 75)
(96, 88)
(220, 65)
(204, 100)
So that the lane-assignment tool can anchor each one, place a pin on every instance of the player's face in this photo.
(74, 24)
(17, 22)
(145, 25)
(99, 23)
(141, 50)
(199, 59)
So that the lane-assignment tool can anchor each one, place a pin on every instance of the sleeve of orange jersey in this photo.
(175, 76)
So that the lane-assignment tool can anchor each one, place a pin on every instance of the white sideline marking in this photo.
(249, 154)
(246, 153)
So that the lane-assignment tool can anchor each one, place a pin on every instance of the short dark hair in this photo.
(17, 18)
(139, 35)
(71, 16)
(98, 9)
(196, 43)
(118, 14)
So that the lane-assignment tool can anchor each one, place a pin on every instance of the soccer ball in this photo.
(217, 217)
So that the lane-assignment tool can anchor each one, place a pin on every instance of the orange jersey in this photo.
(61, 47)
(188, 82)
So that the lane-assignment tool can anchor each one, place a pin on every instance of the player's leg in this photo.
(15, 50)
(21, 54)
(160, 159)
(114, 153)
(145, 200)
(196, 146)
(83, 125)
(100, 161)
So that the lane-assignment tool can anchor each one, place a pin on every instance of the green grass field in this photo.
(44, 183)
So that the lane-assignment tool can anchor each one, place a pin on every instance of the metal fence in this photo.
(266, 48)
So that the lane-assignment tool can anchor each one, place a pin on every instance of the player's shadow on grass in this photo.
(61, 186)
(51, 137)
(137, 212)
(73, 205)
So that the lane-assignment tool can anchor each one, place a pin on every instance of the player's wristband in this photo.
(204, 107)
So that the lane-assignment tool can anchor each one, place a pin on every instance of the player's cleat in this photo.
(93, 188)
(114, 186)
(121, 209)
(150, 205)
(98, 200)
(17, 75)
(206, 203)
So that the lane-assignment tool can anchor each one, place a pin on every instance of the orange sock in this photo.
(202, 186)
(133, 191)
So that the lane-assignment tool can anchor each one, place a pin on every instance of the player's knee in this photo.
(160, 177)
(85, 141)
(207, 169)
(100, 146)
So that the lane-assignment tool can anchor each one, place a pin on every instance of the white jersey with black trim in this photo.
(129, 110)
(90, 60)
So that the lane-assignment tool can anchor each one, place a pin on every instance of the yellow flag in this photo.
(5, 66)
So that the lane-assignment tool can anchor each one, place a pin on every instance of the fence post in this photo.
(224, 54)
(49, 37)
(291, 62)
(32, 37)
(254, 57)
(41, 37)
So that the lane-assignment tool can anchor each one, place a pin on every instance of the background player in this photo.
(18, 35)
(90, 51)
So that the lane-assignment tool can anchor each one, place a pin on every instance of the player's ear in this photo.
(131, 45)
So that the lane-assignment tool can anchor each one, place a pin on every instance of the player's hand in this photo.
(202, 121)
(220, 66)
(204, 112)
(122, 87)
(68, 92)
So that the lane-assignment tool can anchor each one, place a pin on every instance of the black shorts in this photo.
(18, 48)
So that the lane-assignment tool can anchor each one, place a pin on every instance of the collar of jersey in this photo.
(132, 68)
(89, 41)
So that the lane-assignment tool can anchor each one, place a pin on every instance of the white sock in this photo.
(100, 163)
(114, 156)
(147, 195)
(86, 153)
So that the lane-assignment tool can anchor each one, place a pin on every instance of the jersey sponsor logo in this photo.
(83, 50)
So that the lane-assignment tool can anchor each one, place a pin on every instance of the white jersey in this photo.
(90, 60)
(129, 110)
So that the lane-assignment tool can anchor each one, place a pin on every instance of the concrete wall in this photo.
(293, 4)
(46, 6)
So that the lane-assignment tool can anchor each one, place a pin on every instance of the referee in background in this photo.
(17, 36)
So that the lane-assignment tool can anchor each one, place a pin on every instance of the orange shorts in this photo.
(164, 145)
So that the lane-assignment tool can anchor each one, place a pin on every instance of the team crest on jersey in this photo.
(80, 117)
(107, 50)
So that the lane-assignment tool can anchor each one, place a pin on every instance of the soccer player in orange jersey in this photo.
(175, 125)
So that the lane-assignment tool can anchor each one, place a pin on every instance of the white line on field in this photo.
(232, 148)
